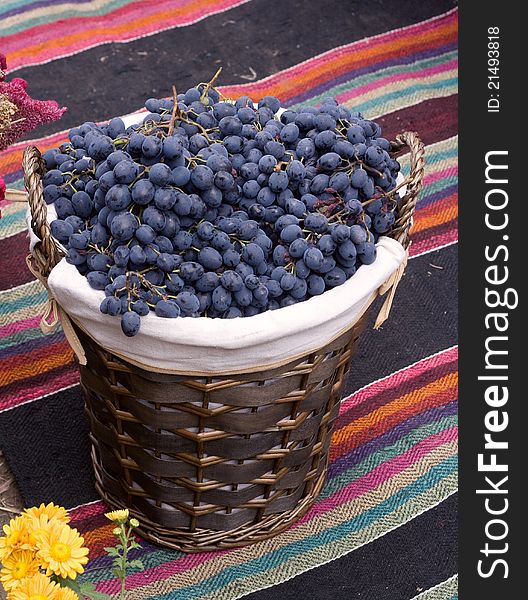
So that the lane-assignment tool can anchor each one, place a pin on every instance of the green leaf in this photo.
(136, 564)
(111, 551)
(72, 584)
(87, 588)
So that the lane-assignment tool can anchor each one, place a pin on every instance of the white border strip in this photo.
(425, 593)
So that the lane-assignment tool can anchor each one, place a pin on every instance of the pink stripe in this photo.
(85, 511)
(357, 488)
(436, 176)
(434, 241)
(161, 572)
(378, 83)
(71, 377)
(19, 326)
(41, 34)
(398, 378)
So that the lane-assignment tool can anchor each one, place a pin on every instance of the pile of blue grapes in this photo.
(216, 208)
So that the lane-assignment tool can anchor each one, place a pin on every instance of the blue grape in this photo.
(313, 258)
(61, 230)
(117, 198)
(316, 285)
(98, 280)
(123, 226)
(253, 254)
(167, 309)
(130, 323)
(210, 258)
(335, 277)
(278, 181)
(221, 299)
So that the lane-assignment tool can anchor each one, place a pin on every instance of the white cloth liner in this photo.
(215, 346)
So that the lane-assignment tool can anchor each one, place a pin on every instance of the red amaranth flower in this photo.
(2, 192)
(3, 66)
(30, 113)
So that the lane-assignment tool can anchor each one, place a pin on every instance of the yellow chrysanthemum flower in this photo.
(37, 527)
(18, 566)
(61, 551)
(38, 587)
(15, 537)
(52, 511)
(119, 516)
(66, 594)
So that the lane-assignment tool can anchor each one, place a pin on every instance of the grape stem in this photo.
(175, 111)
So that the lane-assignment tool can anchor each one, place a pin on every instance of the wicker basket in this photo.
(213, 462)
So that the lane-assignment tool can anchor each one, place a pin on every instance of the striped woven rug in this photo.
(384, 527)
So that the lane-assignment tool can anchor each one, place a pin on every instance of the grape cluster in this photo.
(216, 208)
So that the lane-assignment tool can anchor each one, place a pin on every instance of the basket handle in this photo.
(410, 139)
(47, 254)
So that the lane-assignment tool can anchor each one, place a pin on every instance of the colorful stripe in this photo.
(35, 34)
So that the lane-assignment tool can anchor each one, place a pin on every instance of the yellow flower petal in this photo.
(66, 594)
(58, 551)
(19, 565)
(16, 537)
(52, 511)
(38, 587)
(119, 516)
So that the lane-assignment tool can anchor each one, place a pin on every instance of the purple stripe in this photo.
(448, 191)
(390, 437)
(30, 345)
(14, 176)
(350, 75)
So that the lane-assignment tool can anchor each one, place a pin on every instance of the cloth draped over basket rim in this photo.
(47, 254)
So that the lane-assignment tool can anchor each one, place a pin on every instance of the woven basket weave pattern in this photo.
(213, 462)
(213, 453)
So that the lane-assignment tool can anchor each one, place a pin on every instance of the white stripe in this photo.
(402, 370)
(423, 98)
(21, 286)
(422, 594)
(266, 586)
(434, 249)
(84, 505)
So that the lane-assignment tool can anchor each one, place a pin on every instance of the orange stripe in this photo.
(107, 33)
(36, 367)
(366, 435)
(11, 161)
(413, 398)
(437, 214)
